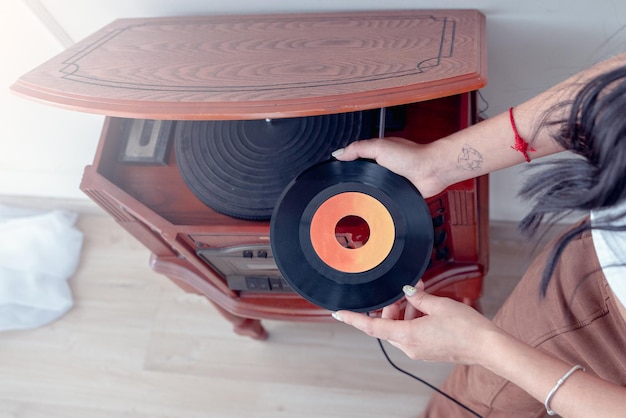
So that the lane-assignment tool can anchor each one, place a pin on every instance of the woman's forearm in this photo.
(581, 395)
(488, 145)
(485, 148)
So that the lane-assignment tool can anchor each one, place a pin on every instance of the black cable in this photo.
(481, 112)
(380, 343)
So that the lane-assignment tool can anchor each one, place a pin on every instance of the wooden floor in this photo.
(135, 345)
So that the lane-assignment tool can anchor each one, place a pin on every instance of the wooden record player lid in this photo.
(265, 66)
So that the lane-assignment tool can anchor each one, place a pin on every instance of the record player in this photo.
(160, 81)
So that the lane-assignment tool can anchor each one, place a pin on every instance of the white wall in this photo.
(531, 45)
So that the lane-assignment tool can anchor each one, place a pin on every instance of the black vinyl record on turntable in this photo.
(240, 167)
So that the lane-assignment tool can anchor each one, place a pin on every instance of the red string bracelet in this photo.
(520, 144)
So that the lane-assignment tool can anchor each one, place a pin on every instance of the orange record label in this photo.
(352, 204)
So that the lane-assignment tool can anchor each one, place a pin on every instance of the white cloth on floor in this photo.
(39, 252)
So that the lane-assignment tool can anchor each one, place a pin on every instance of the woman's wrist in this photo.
(456, 160)
(486, 349)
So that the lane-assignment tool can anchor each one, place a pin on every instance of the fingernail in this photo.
(337, 316)
(409, 290)
(338, 152)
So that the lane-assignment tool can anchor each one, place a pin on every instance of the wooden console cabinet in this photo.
(425, 64)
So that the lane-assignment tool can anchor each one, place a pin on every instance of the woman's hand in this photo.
(414, 161)
(448, 331)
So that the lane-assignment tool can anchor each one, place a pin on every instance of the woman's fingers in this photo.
(369, 149)
(421, 301)
(393, 311)
(383, 328)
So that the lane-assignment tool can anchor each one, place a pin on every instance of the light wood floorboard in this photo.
(135, 345)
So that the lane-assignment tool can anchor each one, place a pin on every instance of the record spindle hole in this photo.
(352, 232)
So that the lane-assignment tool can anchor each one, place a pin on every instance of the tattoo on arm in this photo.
(469, 159)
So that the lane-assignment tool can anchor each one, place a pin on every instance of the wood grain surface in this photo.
(257, 66)
(136, 346)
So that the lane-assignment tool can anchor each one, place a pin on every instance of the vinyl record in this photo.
(240, 167)
(322, 264)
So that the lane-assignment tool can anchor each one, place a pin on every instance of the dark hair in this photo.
(594, 130)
